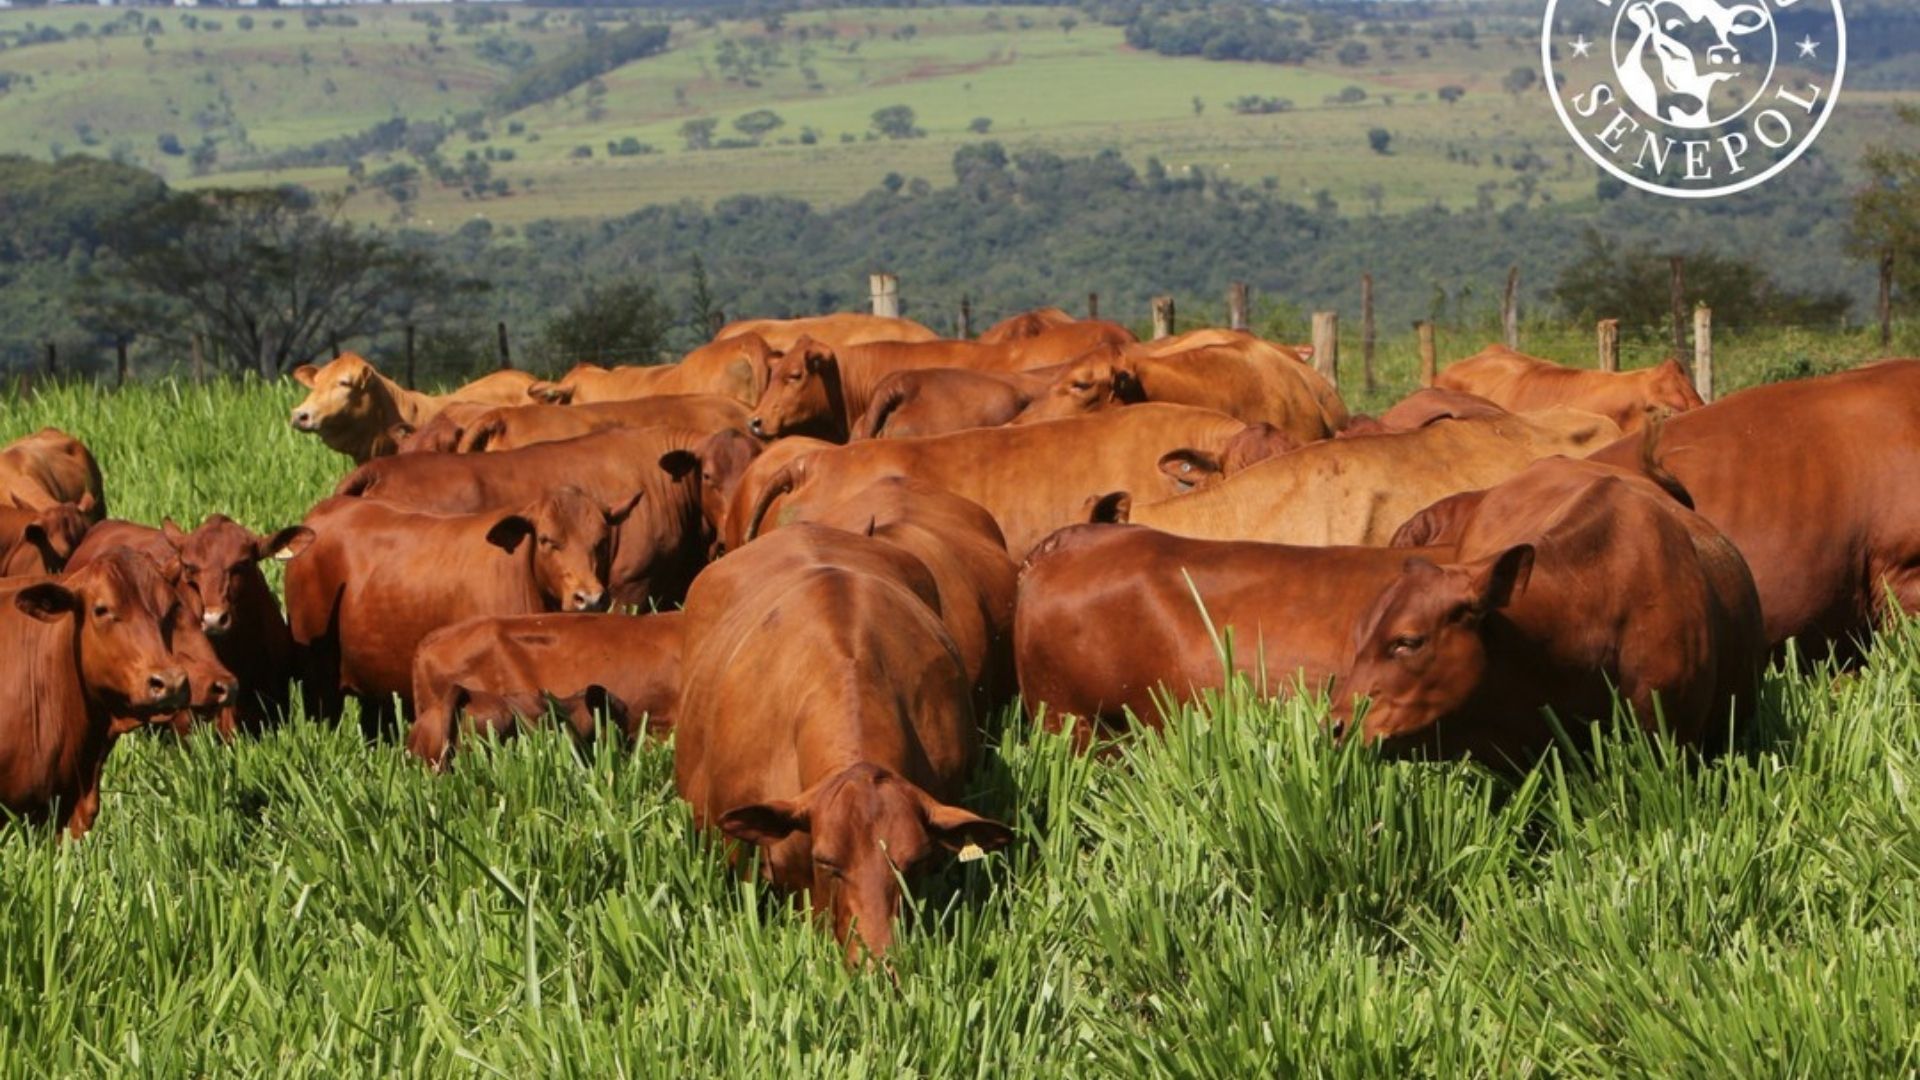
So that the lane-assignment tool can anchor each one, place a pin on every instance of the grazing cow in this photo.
(633, 661)
(1521, 383)
(378, 579)
(223, 595)
(938, 401)
(1570, 583)
(1355, 491)
(37, 542)
(821, 390)
(962, 547)
(841, 328)
(729, 367)
(659, 551)
(1812, 481)
(1265, 385)
(78, 651)
(525, 425)
(354, 408)
(1027, 324)
(842, 756)
(440, 435)
(48, 468)
(1033, 478)
(1113, 619)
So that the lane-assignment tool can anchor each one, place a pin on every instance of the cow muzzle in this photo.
(303, 420)
(589, 601)
(216, 623)
(167, 689)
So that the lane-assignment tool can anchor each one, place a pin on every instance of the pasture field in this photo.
(281, 85)
(1237, 898)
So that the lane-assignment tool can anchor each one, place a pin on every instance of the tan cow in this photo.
(1522, 383)
(1358, 491)
(354, 408)
(731, 367)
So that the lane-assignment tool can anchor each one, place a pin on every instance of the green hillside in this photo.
(235, 89)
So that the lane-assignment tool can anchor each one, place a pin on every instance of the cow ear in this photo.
(1497, 580)
(678, 463)
(1190, 468)
(767, 822)
(507, 533)
(619, 514)
(172, 532)
(957, 829)
(283, 545)
(87, 503)
(1113, 508)
(304, 375)
(46, 601)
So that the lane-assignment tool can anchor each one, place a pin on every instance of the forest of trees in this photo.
(1011, 231)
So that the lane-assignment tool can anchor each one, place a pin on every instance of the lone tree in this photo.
(1379, 139)
(271, 276)
(896, 122)
(1452, 94)
(757, 123)
(1886, 211)
(699, 133)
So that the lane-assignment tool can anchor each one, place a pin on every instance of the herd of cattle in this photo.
(848, 542)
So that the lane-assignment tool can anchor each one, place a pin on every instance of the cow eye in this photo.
(1407, 643)
(1083, 387)
(101, 611)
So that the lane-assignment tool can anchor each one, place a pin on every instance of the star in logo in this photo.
(1581, 46)
(1806, 45)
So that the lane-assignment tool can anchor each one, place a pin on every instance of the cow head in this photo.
(1669, 391)
(122, 609)
(1099, 380)
(803, 395)
(572, 540)
(218, 562)
(48, 541)
(866, 829)
(1695, 46)
(440, 435)
(211, 686)
(723, 457)
(1191, 468)
(1419, 652)
(340, 396)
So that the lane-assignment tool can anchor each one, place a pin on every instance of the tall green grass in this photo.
(1237, 898)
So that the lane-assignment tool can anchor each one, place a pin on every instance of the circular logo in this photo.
(1694, 98)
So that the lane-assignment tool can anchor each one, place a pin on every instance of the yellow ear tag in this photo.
(283, 555)
(972, 853)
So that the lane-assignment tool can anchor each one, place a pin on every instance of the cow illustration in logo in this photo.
(1695, 45)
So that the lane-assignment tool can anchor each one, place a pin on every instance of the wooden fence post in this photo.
(1429, 355)
(199, 359)
(120, 361)
(412, 372)
(1093, 305)
(716, 321)
(506, 357)
(1678, 288)
(333, 340)
(1237, 306)
(1326, 345)
(885, 291)
(1886, 300)
(1366, 329)
(1703, 352)
(1609, 344)
(965, 325)
(53, 361)
(1510, 309)
(1162, 317)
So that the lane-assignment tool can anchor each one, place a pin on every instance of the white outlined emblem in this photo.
(1694, 98)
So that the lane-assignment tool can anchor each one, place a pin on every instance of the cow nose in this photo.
(589, 601)
(167, 688)
(754, 425)
(302, 419)
(216, 623)
(220, 691)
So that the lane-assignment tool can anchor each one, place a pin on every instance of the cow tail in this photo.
(781, 483)
(1650, 462)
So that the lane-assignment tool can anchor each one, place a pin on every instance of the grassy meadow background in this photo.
(1238, 898)
(282, 84)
